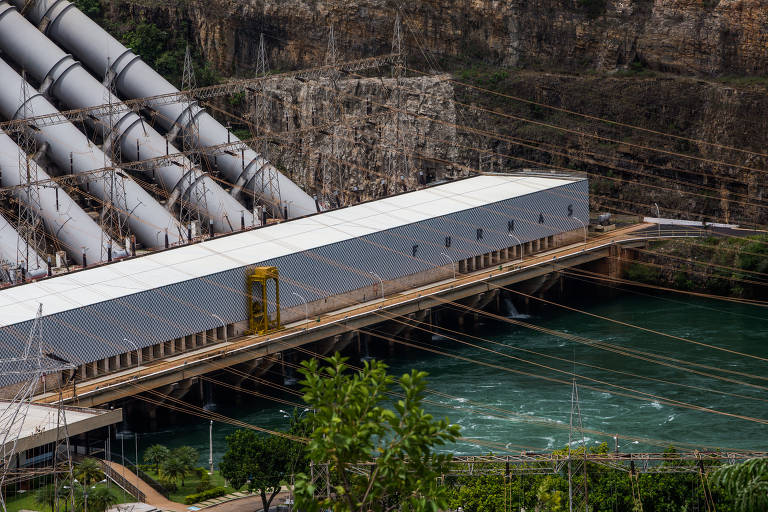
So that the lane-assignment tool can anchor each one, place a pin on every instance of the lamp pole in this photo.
(223, 325)
(380, 281)
(453, 264)
(138, 354)
(658, 218)
(306, 309)
(210, 446)
(519, 246)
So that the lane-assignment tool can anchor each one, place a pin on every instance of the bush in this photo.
(216, 492)
(205, 482)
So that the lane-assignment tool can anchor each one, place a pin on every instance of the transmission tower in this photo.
(578, 493)
(331, 55)
(260, 102)
(267, 178)
(112, 222)
(189, 215)
(31, 368)
(397, 48)
(30, 226)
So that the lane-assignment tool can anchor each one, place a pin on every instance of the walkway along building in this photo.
(114, 316)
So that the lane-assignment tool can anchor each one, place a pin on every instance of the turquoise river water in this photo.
(530, 412)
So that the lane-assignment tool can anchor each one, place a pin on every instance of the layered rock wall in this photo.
(701, 37)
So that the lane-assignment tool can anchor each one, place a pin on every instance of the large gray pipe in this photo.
(63, 218)
(69, 82)
(11, 245)
(77, 33)
(71, 150)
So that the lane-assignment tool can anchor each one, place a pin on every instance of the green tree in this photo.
(156, 454)
(261, 461)
(90, 7)
(352, 425)
(100, 499)
(47, 495)
(188, 457)
(88, 471)
(746, 483)
(173, 470)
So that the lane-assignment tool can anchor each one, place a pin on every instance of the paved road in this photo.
(249, 504)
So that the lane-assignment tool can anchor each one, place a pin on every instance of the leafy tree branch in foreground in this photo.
(354, 421)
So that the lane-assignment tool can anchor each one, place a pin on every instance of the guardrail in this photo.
(122, 482)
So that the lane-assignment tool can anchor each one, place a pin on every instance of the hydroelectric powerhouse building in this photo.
(106, 318)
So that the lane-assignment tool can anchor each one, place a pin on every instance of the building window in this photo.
(447, 242)
(479, 233)
(414, 250)
(541, 218)
(511, 225)
(570, 210)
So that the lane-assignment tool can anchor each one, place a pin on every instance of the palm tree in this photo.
(100, 499)
(47, 495)
(89, 471)
(747, 483)
(188, 456)
(156, 454)
(174, 469)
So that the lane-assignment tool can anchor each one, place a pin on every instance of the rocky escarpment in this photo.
(646, 63)
(631, 170)
(350, 139)
(702, 37)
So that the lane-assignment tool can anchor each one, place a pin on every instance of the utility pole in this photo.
(210, 446)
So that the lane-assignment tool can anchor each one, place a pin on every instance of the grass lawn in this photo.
(190, 485)
(26, 501)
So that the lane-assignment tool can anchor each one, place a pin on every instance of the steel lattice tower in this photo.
(578, 492)
(30, 226)
(32, 366)
(397, 48)
(113, 222)
(189, 214)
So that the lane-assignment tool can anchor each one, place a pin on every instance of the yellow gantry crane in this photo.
(259, 282)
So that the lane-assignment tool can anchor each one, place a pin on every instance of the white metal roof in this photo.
(40, 423)
(69, 291)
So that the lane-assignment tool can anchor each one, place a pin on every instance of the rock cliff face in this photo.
(676, 66)
(702, 37)
(349, 140)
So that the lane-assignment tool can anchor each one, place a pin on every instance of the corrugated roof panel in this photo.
(367, 221)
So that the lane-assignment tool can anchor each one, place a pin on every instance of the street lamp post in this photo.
(380, 281)
(210, 446)
(658, 218)
(138, 354)
(306, 309)
(223, 325)
(585, 230)
(453, 264)
(519, 246)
